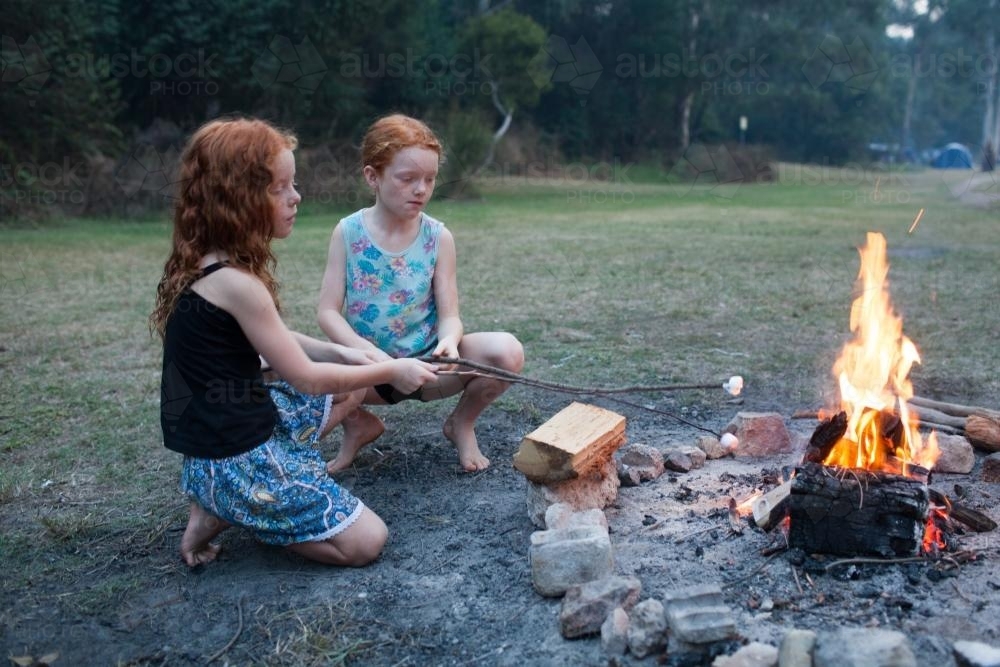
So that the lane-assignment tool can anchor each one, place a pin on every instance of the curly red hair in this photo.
(223, 206)
(391, 134)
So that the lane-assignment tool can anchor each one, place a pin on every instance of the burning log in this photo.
(855, 512)
(974, 519)
(825, 437)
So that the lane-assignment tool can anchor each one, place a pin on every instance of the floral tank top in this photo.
(389, 298)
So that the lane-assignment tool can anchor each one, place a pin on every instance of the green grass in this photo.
(605, 283)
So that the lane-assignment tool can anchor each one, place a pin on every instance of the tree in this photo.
(510, 41)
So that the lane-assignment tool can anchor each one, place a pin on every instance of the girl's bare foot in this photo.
(202, 528)
(464, 439)
(360, 428)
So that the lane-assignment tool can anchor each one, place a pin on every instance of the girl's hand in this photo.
(447, 348)
(412, 374)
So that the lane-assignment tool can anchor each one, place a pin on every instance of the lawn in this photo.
(606, 283)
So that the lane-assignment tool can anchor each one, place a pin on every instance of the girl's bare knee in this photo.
(362, 542)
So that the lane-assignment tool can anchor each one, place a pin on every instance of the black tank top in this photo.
(213, 403)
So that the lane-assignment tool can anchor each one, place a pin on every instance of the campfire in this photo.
(862, 487)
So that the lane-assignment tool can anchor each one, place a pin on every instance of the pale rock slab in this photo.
(567, 557)
(863, 647)
(976, 654)
(754, 654)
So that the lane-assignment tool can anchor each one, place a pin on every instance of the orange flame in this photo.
(933, 541)
(872, 373)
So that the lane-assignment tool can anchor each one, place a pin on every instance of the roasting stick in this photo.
(734, 385)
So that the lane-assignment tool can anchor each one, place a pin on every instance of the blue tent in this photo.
(953, 156)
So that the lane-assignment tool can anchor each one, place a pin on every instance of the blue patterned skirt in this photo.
(280, 490)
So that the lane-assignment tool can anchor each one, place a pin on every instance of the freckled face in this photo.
(406, 184)
(284, 197)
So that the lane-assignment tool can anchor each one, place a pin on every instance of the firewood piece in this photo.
(974, 519)
(854, 512)
(771, 508)
(936, 416)
(954, 409)
(983, 431)
(825, 437)
(577, 440)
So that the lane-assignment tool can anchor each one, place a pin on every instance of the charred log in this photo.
(973, 519)
(854, 512)
(823, 439)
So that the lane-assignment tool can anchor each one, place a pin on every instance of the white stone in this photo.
(976, 654)
(566, 557)
(754, 654)
(797, 648)
(863, 647)
(698, 615)
(562, 515)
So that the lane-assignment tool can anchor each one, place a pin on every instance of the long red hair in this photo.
(223, 206)
(391, 134)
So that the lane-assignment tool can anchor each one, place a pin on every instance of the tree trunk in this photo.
(911, 94)
(991, 127)
(687, 103)
(508, 117)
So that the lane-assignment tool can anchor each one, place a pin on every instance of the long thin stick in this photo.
(508, 376)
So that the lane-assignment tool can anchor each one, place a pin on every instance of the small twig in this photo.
(875, 561)
(444, 562)
(239, 630)
(798, 584)
(682, 538)
(960, 593)
(755, 571)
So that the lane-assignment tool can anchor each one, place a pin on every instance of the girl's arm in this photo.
(331, 302)
(245, 298)
(333, 353)
(445, 285)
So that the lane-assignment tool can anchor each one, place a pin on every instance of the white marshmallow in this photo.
(729, 441)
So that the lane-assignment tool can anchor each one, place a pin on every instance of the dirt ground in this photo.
(453, 586)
